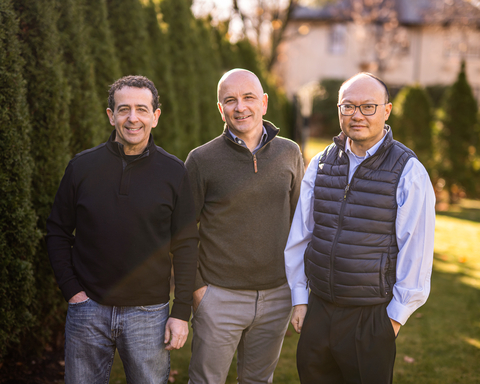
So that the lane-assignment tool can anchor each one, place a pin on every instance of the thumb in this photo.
(167, 334)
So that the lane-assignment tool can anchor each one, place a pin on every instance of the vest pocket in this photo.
(383, 269)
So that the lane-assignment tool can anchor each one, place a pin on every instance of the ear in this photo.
(264, 103)
(156, 114)
(220, 109)
(388, 110)
(110, 116)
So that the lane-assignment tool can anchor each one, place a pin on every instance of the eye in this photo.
(348, 107)
(368, 107)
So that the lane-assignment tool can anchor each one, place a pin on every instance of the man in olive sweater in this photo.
(120, 210)
(245, 185)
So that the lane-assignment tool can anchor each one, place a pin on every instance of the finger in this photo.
(167, 334)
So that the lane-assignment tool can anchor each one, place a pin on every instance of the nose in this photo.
(240, 107)
(357, 115)
(132, 116)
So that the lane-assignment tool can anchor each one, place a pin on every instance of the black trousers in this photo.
(346, 345)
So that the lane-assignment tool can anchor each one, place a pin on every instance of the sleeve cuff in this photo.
(299, 296)
(398, 312)
(71, 288)
(181, 311)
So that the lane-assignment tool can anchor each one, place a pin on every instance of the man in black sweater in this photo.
(121, 209)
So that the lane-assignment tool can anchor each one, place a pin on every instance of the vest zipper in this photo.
(255, 163)
(346, 191)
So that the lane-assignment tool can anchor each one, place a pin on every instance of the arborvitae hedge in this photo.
(177, 16)
(459, 131)
(412, 123)
(57, 60)
(48, 99)
(325, 107)
(127, 23)
(86, 123)
(18, 235)
(104, 56)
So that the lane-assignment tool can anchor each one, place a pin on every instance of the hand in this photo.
(176, 332)
(198, 296)
(298, 315)
(79, 297)
(396, 326)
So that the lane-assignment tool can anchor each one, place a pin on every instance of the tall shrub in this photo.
(325, 107)
(48, 98)
(128, 27)
(459, 125)
(103, 53)
(86, 115)
(18, 235)
(169, 123)
(181, 37)
(413, 123)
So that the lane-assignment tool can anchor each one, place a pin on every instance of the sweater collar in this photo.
(269, 128)
(117, 148)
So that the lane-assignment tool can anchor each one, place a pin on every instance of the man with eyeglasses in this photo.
(361, 241)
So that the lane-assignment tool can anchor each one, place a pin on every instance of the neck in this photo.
(252, 139)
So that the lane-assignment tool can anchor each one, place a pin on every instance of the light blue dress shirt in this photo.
(262, 141)
(415, 226)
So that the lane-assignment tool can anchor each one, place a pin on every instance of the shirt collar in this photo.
(370, 152)
(263, 139)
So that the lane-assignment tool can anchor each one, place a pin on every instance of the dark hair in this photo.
(132, 81)
(387, 93)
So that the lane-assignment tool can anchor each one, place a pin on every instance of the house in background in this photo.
(402, 41)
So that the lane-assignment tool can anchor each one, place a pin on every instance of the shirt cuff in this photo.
(181, 311)
(299, 296)
(398, 312)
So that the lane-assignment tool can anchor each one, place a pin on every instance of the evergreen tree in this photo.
(102, 50)
(18, 235)
(459, 132)
(48, 98)
(181, 38)
(86, 116)
(128, 27)
(169, 123)
(412, 123)
(209, 73)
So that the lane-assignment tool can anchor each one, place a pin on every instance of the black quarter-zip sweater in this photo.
(114, 223)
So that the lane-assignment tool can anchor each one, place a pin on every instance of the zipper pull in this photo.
(346, 191)
(255, 163)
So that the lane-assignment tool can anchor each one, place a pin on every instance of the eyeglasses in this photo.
(366, 109)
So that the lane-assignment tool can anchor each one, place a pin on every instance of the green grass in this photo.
(440, 343)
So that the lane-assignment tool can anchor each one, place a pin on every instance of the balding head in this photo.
(364, 75)
(237, 75)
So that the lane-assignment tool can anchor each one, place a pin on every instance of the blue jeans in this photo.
(94, 331)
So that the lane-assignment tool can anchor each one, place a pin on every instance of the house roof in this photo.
(409, 12)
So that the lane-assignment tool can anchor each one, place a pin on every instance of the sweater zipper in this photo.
(255, 163)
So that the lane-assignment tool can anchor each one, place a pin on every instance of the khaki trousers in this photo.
(252, 322)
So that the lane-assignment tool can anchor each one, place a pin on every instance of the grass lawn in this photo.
(440, 343)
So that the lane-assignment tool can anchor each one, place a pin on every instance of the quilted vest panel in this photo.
(351, 259)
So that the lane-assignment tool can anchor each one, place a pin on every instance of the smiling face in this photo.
(133, 118)
(242, 103)
(364, 131)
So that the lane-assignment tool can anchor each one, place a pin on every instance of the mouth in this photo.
(242, 118)
(133, 129)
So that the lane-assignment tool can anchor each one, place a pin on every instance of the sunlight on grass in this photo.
(474, 342)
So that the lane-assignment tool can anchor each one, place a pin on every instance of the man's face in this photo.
(242, 103)
(133, 118)
(364, 131)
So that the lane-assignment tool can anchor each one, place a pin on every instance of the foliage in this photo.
(18, 235)
(325, 107)
(459, 131)
(412, 123)
(102, 50)
(128, 28)
(85, 111)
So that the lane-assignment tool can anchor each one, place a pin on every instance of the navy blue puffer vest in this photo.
(351, 259)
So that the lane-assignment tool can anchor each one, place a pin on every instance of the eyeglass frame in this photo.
(359, 107)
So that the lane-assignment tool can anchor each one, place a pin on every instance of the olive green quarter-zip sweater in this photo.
(244, 204)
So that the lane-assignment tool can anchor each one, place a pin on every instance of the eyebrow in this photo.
(136, 105)
(244, 94)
